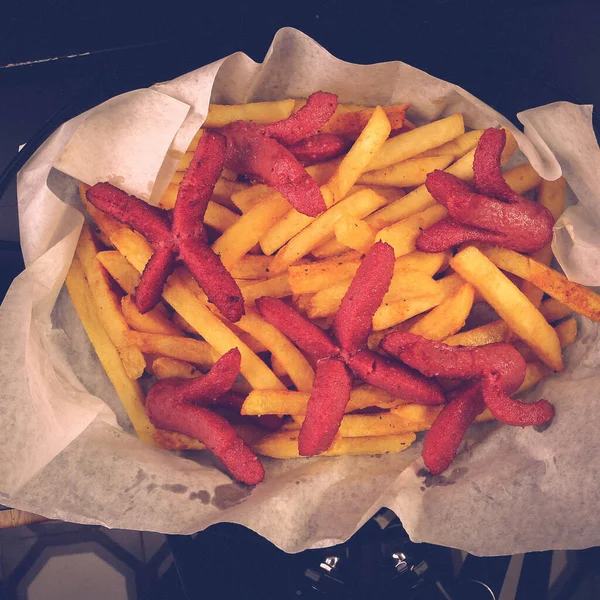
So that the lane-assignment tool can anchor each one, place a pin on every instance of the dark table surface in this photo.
(513, 55)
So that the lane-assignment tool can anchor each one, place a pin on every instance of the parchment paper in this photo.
(67, 451)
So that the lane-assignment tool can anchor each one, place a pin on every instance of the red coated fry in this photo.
(326, 406)
(353, 321)
(319, 108)
(511, 411)
(395, 378)
(449, 233)
(307, 336)
(487, 167)
(186, 239)
(171, 405)
(447, 431)
(319, 148)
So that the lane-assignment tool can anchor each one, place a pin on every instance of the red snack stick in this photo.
(326, 406)
(395, 378)
(186, 239)
(353, 321)
(312, 340)
(449, 233)
(319, 108)
(447, 431)
(487, 167)
(511, 411)
(319, 148)
(170, 405)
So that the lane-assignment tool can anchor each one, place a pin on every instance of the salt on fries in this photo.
(377, 193)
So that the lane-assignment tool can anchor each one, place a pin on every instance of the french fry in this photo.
(322, 227)
(220, 115)
(120, 270)
(512, 306)
(448, 317)
(408, 173)
(355, 233)
(392, 313)
(277, 367)
(349, 170)
(292, 360)
(351, 123)
(209, 326)
(166, 367)
(566, 331)
(246, 199)
(534, 373)
(281, 402)
(108, 304)
(496, 331)
(276, 287)
(285, 445)
(405, 285)
(571, 294)
(403, 235)
(181, 348)
(154, 321)
(356, 426)
(409, 144)
(457, 147)
(553, 310)
(252, 267)
(424, 416)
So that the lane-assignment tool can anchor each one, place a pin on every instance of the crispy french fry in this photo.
(566, 331)
(154, 321)
(512, 306)
(220, 115)
(575, 296)
(553, 310)
(424, 416)
(219, 218)
(180, 322)
(293, 361)
(393, 313)
(496, 331)
(252, 267)
(108, 304)
(285, 445)
(322, 227)
(209, 326)
(403, 235)
(457, 147)
(166, 367)
(246, 199)
(408, 173)
(276, 287)
(448, 317)
(277, 367)
(351, 123)
(120, 270)
(355, 233)
(409, 144)
(355, 163)
(535, 372)
(405, 285)
(275, 402)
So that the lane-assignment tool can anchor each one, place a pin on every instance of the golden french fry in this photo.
(220, 115)
(448, 317)
(252, 267)
(166, 367)
(405, 285)
(409, 144)
(293, 361)
(120, 270)
(276, 287)
(108, 304)
(512, 306)
(284, 444)
(277, 367)
(276, 402)
(244, 200)
(535, 372)
(322, 227)
(403, 235)
(355, 233)
(408, 173)
(393, 313)
(566, 331)
(424, 416)
(154, 321)
(496, 331)
(553, 310)
(351, 123)
(198, 315)
(369, 143)
(574, 295)
(457, 147)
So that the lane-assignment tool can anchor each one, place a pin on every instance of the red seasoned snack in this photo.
(173, 404)
(506, 219)
(496, 370)
(185, 238)
(319, 148)
(259, 150)
(333, 382)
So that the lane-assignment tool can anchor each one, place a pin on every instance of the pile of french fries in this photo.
(374, 192)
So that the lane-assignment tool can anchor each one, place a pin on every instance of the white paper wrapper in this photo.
(67, 451)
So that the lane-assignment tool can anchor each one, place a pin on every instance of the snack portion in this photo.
(312, 283)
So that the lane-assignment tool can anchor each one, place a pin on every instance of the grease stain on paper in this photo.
(229, 495)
